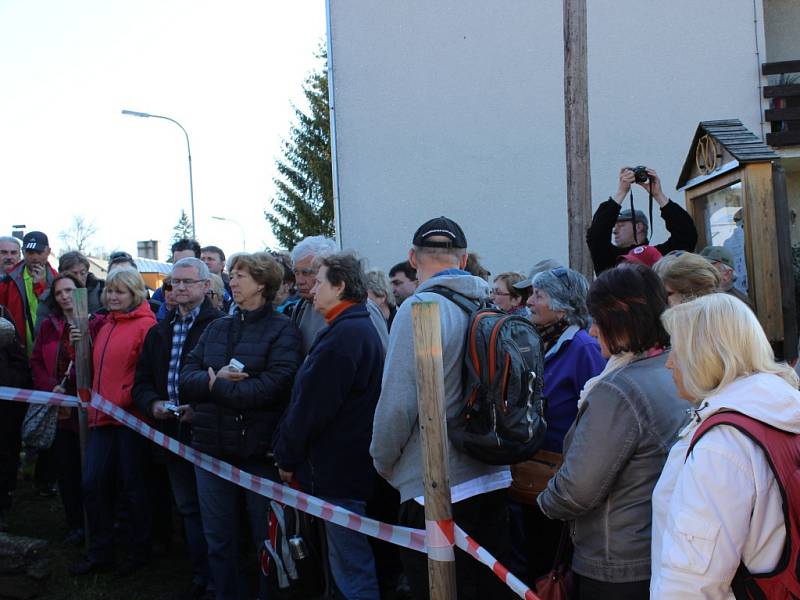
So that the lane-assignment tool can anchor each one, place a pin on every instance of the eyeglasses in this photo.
(497, 292)
(184, 282)
(304, 272)
(211, 293)
(563, 275)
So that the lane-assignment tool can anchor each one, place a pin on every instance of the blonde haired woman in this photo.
(687, 277)
(114, 452)
(721, 507)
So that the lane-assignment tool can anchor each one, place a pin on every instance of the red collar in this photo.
(337, 310)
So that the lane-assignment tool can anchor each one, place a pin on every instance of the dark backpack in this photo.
(502, 420)
(782, 450)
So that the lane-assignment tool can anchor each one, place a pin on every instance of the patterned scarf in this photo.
(551, 333)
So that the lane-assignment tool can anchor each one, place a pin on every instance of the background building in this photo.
(456, 107)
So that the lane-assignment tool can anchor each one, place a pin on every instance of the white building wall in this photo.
(782, 25)
(455, 107)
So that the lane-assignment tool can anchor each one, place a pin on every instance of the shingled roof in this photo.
(740, 142)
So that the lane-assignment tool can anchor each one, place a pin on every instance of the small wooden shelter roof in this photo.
(738, 141)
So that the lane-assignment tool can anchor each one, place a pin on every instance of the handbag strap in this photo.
(564, 547)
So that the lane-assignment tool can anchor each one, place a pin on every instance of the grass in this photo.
(43, 518)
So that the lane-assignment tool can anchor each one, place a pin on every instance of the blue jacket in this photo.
(573, 360)
(324, 436)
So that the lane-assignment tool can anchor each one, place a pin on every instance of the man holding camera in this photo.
(631, 228)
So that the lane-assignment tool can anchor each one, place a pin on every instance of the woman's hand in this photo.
(285, 476)
(226, 373)
(75, 335)
(59, 390)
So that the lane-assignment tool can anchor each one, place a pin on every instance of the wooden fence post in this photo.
(433, 433)
(83, 377)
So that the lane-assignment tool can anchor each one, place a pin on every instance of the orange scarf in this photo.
(337, 310)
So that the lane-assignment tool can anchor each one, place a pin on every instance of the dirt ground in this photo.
(43, 518)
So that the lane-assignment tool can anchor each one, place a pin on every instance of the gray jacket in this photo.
(613, 456)
(310, 323)
(395, 447)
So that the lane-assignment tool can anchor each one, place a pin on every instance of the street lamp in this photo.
(244, 243)
(134, 113)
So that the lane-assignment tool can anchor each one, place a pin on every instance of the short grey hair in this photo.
(316, 246)
(196, 263)
(8, 239)
(378, 283)
(452, 255)
(567, 290)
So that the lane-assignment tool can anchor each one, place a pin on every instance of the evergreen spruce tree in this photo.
(183, 230)
(303, 204)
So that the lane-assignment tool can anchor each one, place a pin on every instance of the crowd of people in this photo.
(300, 367)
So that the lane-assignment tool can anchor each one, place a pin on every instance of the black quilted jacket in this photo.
(237, 419)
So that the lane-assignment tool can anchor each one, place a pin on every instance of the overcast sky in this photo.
(227, 71)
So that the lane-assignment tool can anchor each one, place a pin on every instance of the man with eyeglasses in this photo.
(156, 393)
(631, 228)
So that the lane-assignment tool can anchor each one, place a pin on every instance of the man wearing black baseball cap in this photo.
(630, 227)
(439, 254)
(24, 286)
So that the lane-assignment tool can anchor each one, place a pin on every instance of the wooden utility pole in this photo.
(83, 375)
(576, 130)
(433, 433)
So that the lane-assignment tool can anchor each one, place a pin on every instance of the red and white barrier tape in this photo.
(415, 539)
(479, 553)
(37, 397)
(440, 538)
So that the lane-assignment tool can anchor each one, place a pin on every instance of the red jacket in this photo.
(13, 296)
(44, 359)
(116, 350)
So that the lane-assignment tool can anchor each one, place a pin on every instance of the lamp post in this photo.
(134, 113)
(244, 243)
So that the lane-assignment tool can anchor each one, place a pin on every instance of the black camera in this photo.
(640, 174)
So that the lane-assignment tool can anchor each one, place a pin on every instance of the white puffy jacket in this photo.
(722, 505)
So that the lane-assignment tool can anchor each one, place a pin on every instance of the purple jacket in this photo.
(573, 360)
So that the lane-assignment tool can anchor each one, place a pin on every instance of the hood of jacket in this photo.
(141, 311)
(764, 396)
(468, 285)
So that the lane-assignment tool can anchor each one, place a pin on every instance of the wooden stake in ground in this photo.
(576, 131)
(433, 433)
(83, 375)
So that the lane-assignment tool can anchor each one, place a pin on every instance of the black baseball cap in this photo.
(119, 256)
(440, 227)
(36, 241)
